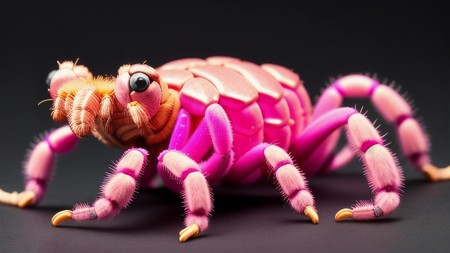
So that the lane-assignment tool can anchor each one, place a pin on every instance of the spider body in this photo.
(221, 120)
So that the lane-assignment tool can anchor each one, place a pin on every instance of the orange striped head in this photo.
(136, 98)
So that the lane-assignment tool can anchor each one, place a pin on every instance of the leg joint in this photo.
(40, 182)
(128, 171)
(276, 157)
(367, 144)
(389, 188)
(186, 173)
(400, 119)
(50, 146)
(294, 193)
(378, 212)
(280, 165)
(199, 212)
(339, 89)
(374, 86)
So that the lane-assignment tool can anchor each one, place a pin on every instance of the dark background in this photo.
(402, 41)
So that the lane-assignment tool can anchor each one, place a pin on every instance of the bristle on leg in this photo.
(381, 169)
(118, 189)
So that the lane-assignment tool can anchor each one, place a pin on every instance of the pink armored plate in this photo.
(197, 123)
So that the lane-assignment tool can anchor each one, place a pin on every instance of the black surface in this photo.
(404, 41)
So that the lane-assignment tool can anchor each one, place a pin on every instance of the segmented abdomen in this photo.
(265, 103)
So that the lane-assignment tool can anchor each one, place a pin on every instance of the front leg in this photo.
(39, 166)
(196, 194)
(117, 190)
(182, 160)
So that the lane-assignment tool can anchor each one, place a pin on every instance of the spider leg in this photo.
(381, 169)
(383, 173)
(394, 109)
(117, 191)
(339, 160)
(196, 194)
(214, 132)
(318, 139)
(293, 184)
(185, 163)
(39, 166)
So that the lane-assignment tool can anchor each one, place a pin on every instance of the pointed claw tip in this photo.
(312, 214)
(189, 232)
(25, 198)
(436, 174)
(182, 239)
(61, 216)
(343, 213)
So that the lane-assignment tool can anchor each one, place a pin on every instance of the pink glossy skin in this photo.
(233, 117)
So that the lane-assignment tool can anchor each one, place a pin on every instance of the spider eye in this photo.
(50, 76)
(139, 82)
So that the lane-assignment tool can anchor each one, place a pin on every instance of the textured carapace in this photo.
(197, 123)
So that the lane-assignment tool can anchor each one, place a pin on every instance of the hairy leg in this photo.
(381, 169)
(382, 172)
(196, 191)
(116, 192)
(183, 162)
(293, 184)
(394, 109)
(39, 166)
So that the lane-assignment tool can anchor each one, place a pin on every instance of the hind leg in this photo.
(394, 109)
(381, 169)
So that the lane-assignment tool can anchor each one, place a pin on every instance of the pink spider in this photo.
(199, 123)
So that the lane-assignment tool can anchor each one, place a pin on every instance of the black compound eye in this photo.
(139, 82)
(50, 76)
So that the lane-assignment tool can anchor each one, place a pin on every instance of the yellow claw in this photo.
(22, 199)
(436, 174)
(61, 216)
(189, 232)
(312, 214)
(343, 213)
(25, 198)
(9, 198)
(183, 231)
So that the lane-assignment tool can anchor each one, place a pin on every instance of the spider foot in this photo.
(311, 212)
(22, 199)
(343, 213)
(189, 232)
(436, 174)
(61, 216)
